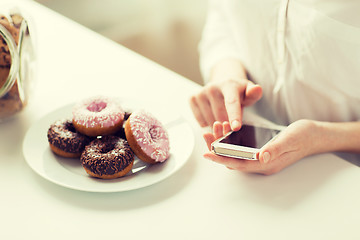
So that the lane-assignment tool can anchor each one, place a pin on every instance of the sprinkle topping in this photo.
(64, 136)
(107, 155)
(98, 112)
(150, 135)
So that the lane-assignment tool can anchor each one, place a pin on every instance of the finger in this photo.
(232, 99)
(197, 113)
(269, 152)
(209, 138)
(274, 149)
(237, 164)
(226, 127)
(205, 108)
(253, 93)
(246, 166)
(217, 103)
(218, 129)
(265, 156)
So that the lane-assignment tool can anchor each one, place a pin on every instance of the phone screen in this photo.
(250, 136)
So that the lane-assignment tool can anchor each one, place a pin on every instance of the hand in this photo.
(298, 140)
(224, 101)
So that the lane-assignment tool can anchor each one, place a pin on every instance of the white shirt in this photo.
(304, 53)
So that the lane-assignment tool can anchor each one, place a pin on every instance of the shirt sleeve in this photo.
(217, 42)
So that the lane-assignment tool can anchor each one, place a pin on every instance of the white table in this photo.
(317, 198)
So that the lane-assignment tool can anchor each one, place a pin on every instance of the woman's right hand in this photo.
(224, 101)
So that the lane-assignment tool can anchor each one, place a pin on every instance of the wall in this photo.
(166, 31)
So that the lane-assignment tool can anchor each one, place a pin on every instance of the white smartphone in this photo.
(245, 143)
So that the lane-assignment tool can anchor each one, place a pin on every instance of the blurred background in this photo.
(165, 31)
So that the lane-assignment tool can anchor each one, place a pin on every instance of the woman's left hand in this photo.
(298, 140)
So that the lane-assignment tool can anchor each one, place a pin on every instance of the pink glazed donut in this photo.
(98, 116)
(147, 137)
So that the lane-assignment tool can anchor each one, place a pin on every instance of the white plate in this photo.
(69, 172)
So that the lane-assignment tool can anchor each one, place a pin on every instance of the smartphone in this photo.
(245, 143)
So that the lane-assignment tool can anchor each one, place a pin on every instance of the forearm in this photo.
(228, 69)
(339, 136)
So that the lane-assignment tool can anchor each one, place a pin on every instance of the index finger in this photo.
(232, 100)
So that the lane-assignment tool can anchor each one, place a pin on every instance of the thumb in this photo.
(273, 149)
(253, 93)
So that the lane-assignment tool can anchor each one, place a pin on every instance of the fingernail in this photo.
(235, 124)
(266, 157)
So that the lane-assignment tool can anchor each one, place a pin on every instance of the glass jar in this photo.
(16, 62)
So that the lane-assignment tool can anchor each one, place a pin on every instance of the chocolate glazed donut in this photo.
(107, 157)
(65, 141)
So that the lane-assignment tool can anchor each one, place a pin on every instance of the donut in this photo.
(64, 140)
(147, 137)
(98, 116)
(107, 157)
